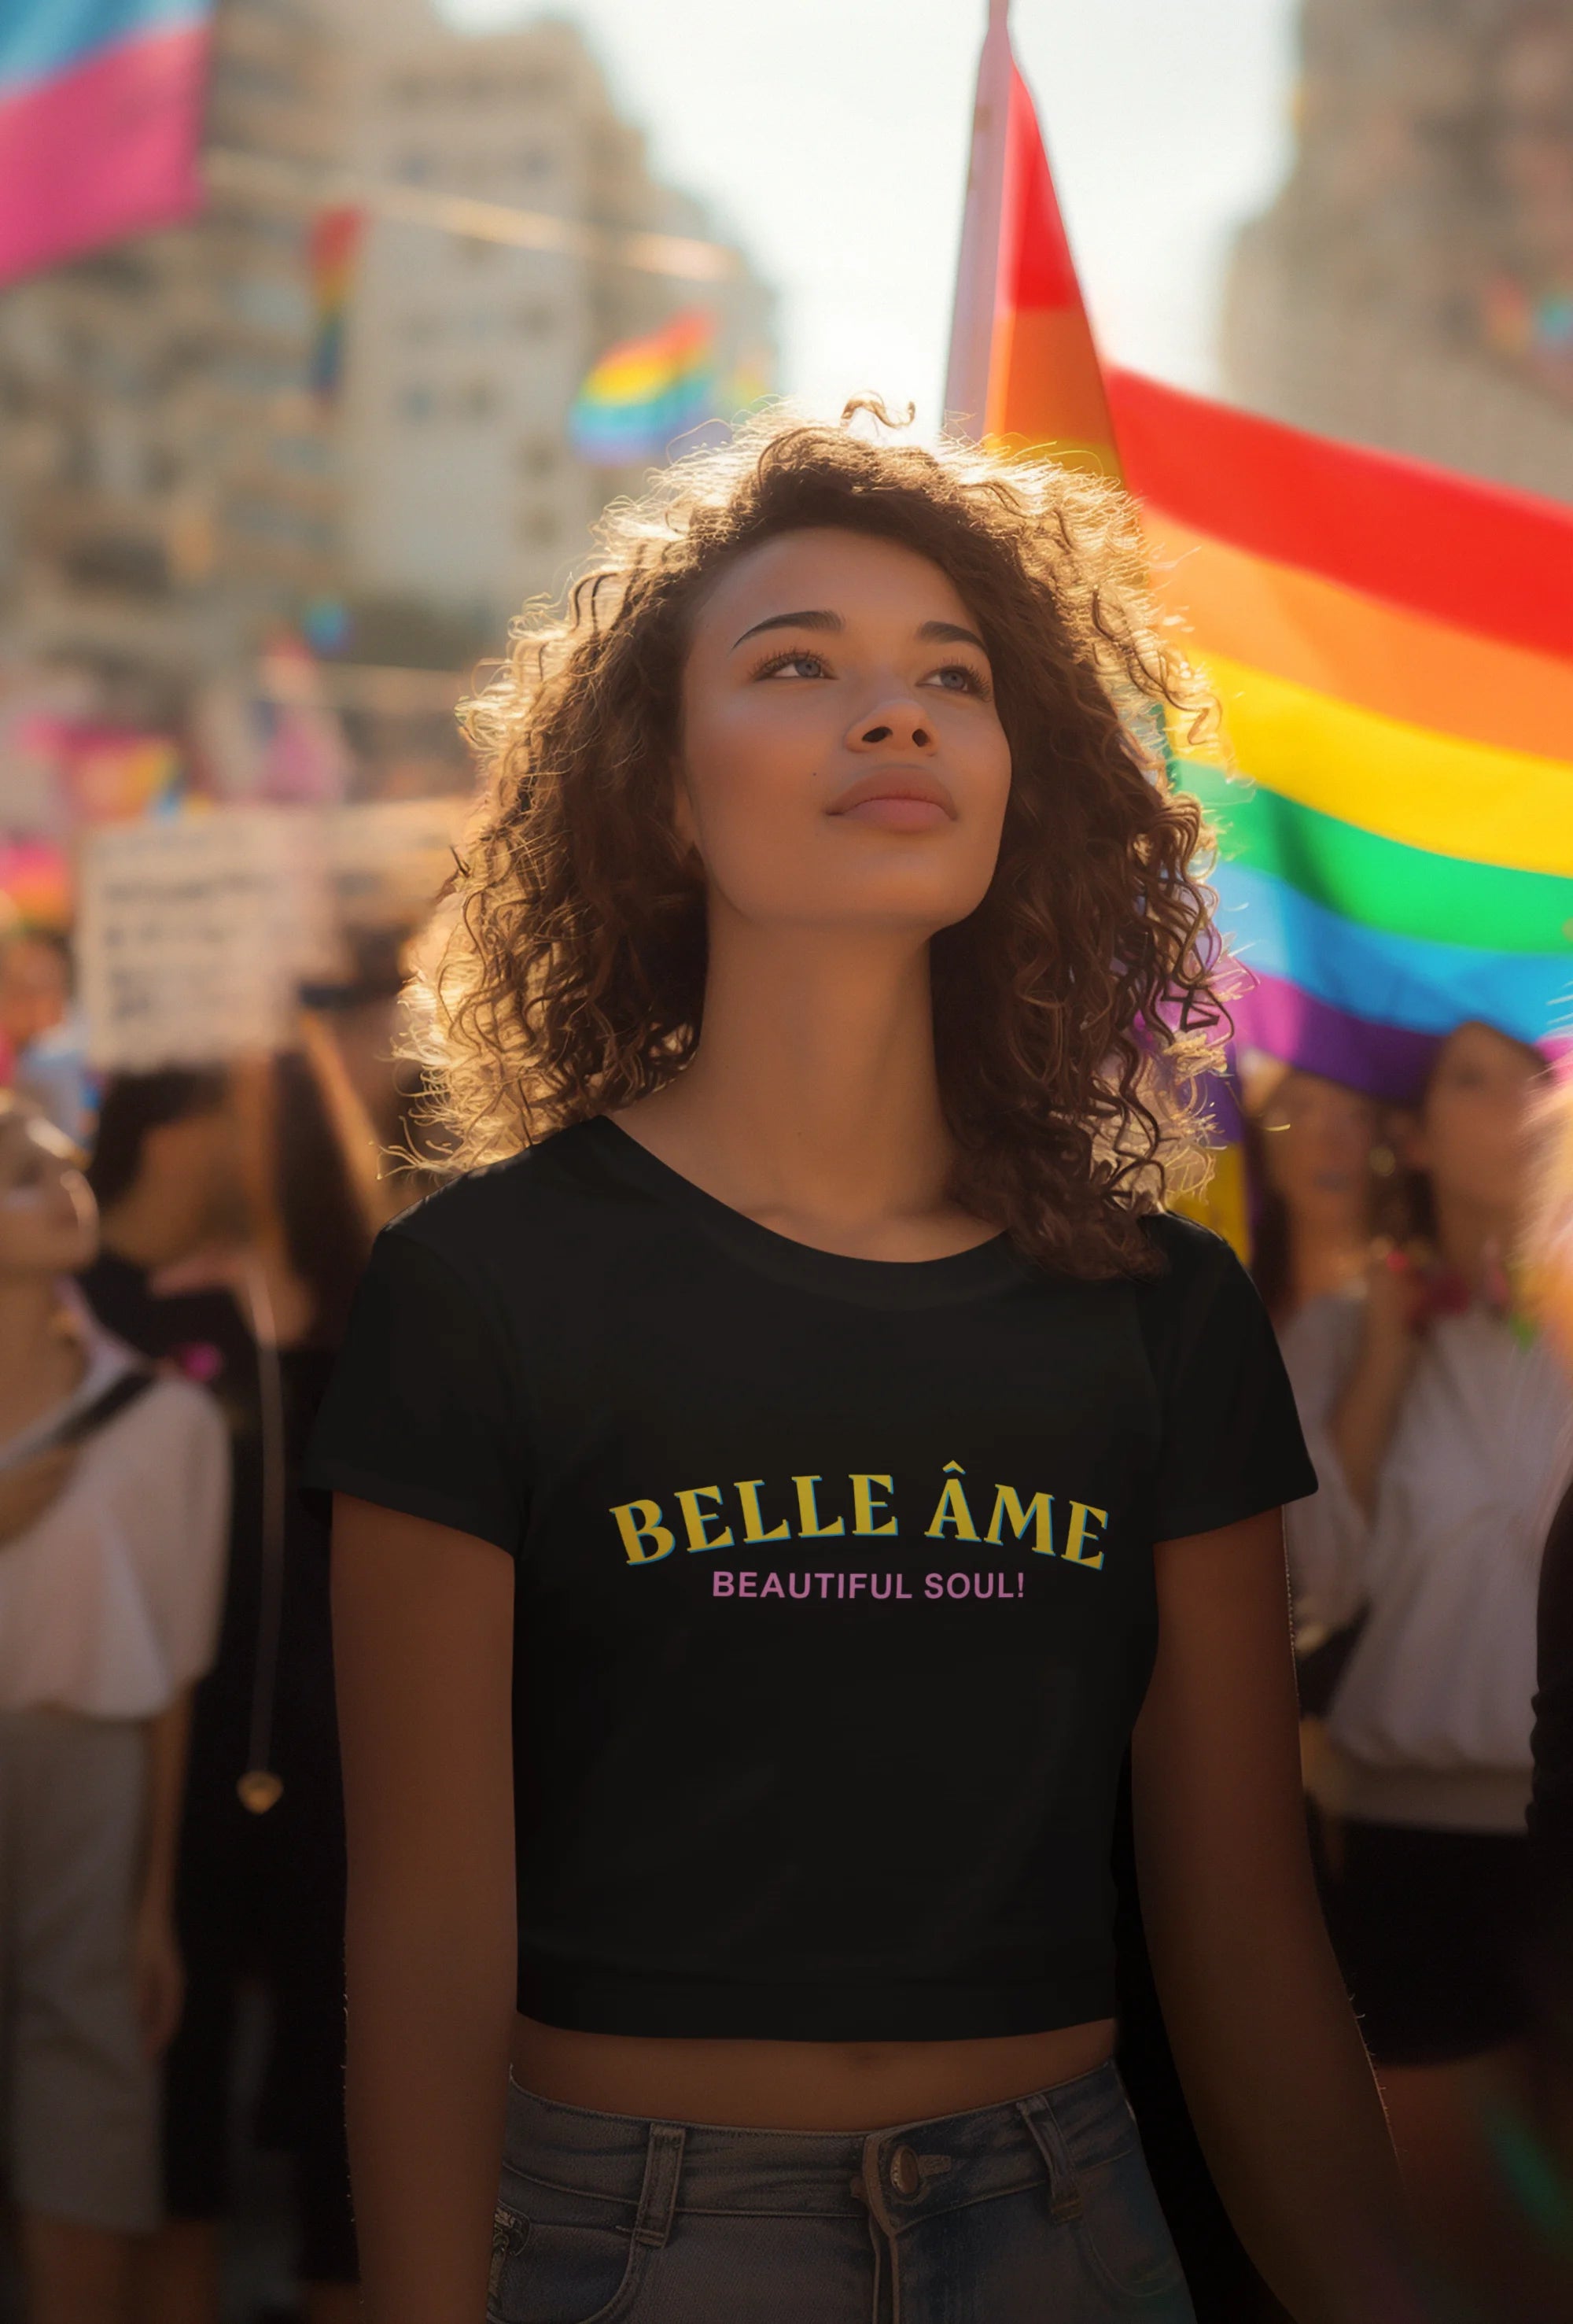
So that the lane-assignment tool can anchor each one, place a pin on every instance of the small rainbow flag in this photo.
(645, 391)
(1393, 646)
(335, 242)
(100, 102)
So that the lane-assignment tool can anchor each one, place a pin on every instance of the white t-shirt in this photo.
(109, 1604)
(1432, 1718)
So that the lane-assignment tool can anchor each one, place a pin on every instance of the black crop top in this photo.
(835, 1600)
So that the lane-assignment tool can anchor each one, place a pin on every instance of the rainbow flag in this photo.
(335, 243)
(100, 103)
(645, 391)
(1393, 646)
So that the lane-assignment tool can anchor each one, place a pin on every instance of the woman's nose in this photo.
(897, 722)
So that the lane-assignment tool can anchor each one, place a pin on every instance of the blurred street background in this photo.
(273, 478)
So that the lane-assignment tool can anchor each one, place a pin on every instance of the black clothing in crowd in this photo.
(260, 1895)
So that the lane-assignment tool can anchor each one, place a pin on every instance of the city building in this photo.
(1412, 287)
(167, 482)
(463, 353)
(188, 469)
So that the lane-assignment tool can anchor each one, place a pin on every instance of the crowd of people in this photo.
(170, 1824)
(170, 1829)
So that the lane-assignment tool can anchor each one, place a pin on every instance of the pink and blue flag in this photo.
(100, 109)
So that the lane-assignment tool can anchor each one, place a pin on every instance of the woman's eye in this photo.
(794, 664)
(958, 677)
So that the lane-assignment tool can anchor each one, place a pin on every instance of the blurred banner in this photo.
(335, 243)
(100, 105)
(1392, 644)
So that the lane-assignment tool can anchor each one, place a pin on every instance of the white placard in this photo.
(389, 858)
(194, 934)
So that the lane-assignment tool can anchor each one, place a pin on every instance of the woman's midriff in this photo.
(797, 2085)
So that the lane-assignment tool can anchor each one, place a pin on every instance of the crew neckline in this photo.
(976, 1273)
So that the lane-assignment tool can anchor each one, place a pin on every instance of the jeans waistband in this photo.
(650, 2169)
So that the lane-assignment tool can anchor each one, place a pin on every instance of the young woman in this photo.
(109, 1589)
(1441, 1426)
(823, 1445)
(1315, 1156)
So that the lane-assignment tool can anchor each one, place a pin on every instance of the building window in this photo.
(416, 402)
(538, 455)
(476, 400)
(125, 565)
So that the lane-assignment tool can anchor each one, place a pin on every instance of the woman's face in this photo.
(843, 763)
(1317, 1143)
(1470, 1137)
(49, 1222)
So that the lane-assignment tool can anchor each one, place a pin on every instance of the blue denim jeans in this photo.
(1039, 2211)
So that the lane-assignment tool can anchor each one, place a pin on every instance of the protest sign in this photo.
(196, 932)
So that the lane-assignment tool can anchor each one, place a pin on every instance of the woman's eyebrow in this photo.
(930, 632)
(950, 634)
(810, 621)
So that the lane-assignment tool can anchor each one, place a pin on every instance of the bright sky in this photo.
(830, 136)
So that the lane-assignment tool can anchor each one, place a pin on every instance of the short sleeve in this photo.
(1231, 1443)
(421, 1413)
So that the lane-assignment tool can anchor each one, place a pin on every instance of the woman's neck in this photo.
(1323, 1258)
(1469, 1234)
(39, 1363)
(813, 1100)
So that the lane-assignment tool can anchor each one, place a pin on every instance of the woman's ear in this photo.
(685, 829)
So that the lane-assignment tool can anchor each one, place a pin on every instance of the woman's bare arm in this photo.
(423, 1641)
(1273, 2064)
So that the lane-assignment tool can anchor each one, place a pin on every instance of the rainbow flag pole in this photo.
(1393, 647)
(100, 103)
(1023, 364)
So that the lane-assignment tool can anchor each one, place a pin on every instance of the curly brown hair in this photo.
(1073, 1010)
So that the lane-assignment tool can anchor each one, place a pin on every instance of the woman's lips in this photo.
(897, 802)
(895, 811)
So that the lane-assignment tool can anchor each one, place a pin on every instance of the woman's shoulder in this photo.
(171, 1412)
(534, 1191)
(1195, 1262)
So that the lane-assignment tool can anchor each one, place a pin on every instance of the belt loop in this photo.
(1064, 2194)
(658, 2195)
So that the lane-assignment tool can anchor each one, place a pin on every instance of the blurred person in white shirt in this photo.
(114, 1485)
(1439, 1424)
